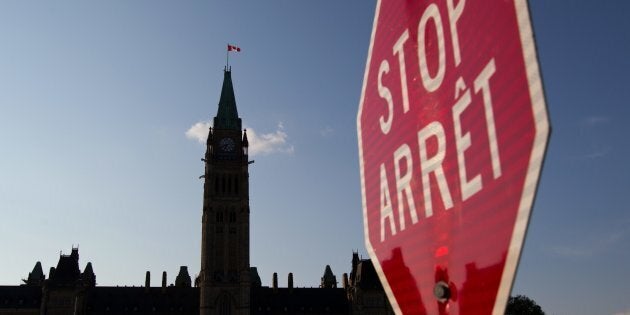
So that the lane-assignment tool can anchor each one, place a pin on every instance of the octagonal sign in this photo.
(452, 128)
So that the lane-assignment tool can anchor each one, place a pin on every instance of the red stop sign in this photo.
(452, 129)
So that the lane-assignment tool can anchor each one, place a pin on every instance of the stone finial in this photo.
(163, 281)
(290, 282)
(274, 284)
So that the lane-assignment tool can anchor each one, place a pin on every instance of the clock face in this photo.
(227, 144)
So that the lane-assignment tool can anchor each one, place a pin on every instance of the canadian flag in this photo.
(233, 48)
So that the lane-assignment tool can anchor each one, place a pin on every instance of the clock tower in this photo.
(224, 278)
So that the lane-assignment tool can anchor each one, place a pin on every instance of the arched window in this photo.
(225, 307)
(223, 184)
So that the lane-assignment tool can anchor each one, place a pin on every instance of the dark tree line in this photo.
(522, 305)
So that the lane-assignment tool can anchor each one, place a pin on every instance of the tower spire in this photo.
(224, 278)
(227, 114)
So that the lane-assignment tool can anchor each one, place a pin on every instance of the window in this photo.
(223, 184)
(224, 305)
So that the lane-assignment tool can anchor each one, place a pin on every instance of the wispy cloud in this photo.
(259, 144)
(595, 154)
(199, 131)
(592, 148)
(327, 131)
(568, 251)
(627, 312)
(593, 247)
(595, 120)
(267, 143)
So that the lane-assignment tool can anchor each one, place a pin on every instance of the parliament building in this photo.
(227, 284)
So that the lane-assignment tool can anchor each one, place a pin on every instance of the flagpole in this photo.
(227, 57)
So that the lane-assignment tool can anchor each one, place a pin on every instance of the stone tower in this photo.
(224, 278)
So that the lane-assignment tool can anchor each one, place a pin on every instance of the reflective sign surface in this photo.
(452, 129)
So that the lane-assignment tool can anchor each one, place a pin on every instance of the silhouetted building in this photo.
(328, 280)
(35, 277)
(364, 290)
(226, 284)
(225, 271)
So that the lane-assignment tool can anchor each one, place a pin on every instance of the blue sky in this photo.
(96, 99)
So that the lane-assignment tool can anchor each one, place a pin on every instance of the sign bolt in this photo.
(442, 291)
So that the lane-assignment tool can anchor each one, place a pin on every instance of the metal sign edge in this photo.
(534, 168)
(368, 245)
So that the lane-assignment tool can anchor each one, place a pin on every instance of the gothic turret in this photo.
(88, 276)
(329, 280)
(183, 278)
(36, 277)
(67, 271)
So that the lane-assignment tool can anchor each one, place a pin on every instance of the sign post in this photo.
(452, 128)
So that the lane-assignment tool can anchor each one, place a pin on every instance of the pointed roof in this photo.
(37, 272)
(88, 276)
(35, 277)
(255, 277)
(329, 280)
(183, 278)
(328, 272)
(88, 269)
(227, 114)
